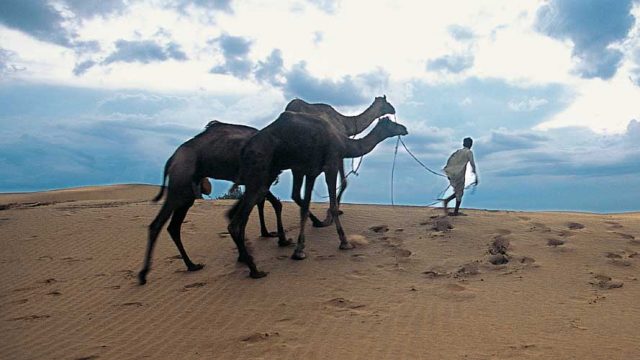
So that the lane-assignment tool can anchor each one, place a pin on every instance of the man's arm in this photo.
(473, 166)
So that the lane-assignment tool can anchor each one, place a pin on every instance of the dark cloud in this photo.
(92, 8)
(144, 51)
(83, 67)
(235, 50)
(271, 69)
(234, 46)
(328, 6)
(345, 91)
(451, 63)
(509, 141)
(592, 26)
(460, 33)
(36, 18)
(209, 5)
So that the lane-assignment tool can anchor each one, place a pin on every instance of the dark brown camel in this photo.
(308, 147)
(214, 153)
(347, 125)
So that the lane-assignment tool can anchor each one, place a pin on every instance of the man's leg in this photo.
(446, 202)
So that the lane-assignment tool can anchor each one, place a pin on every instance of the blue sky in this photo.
(95, 92)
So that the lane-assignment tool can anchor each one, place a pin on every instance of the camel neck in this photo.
(360, 147)
(357, 123)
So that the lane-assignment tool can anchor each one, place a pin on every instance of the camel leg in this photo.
(298, 253)
(295, 195)
(333, 208)
(343, 185)
(263, 226)
(241, 211)
(154, 230)
(174, 230)
(277, 207)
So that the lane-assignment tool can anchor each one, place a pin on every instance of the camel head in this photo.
(391, 128)
(381, 103)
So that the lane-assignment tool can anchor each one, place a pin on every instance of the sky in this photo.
(102, 92)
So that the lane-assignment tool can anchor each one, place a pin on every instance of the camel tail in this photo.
(164, 178)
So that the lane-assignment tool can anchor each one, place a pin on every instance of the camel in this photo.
(347, 125)
(214, 153)
(308, 147)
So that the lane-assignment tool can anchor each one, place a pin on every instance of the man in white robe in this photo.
(455, 170)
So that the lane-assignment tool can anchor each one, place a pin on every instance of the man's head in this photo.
(467, 142)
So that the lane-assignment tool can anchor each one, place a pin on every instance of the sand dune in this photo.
(489, 285)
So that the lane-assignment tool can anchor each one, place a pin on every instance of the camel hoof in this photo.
(271, 234)
(299, 255)
(340, 212)
(142, 278)
(318, 224)
(285, 243)
(346, 246)
(195, 267)
(257, 274)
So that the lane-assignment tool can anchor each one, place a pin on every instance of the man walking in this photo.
(455, 171)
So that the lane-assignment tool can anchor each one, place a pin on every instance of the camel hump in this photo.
(211, 123)
(295, 105)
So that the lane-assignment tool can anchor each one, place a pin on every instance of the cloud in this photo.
(529, 104)
(139, 103)
(6, 67)
(36, 18)
(271, 69)
(210, 5)
(82, 67)
(450, 63)
(347, 90)
(92, 8)
(592, 27)
(144, 51)
(235, 50)
(460, 33)
(479, 105)
(328, 6)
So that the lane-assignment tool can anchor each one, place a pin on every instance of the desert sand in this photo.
(488, 285)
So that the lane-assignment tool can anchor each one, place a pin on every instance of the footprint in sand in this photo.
(325, 257)
(612, 225)
(605, 282)
(574, 226)
(343, 303)
(621, 258)
(54, 293)
(555, 242)
(194, 285)
(442, 224)
(539, 227)
(624, 236)
(498, 259)
(379, 228)
(260, 337)
(469, 269)
(499, 245)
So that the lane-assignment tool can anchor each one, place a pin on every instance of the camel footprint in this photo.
(605, 282)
